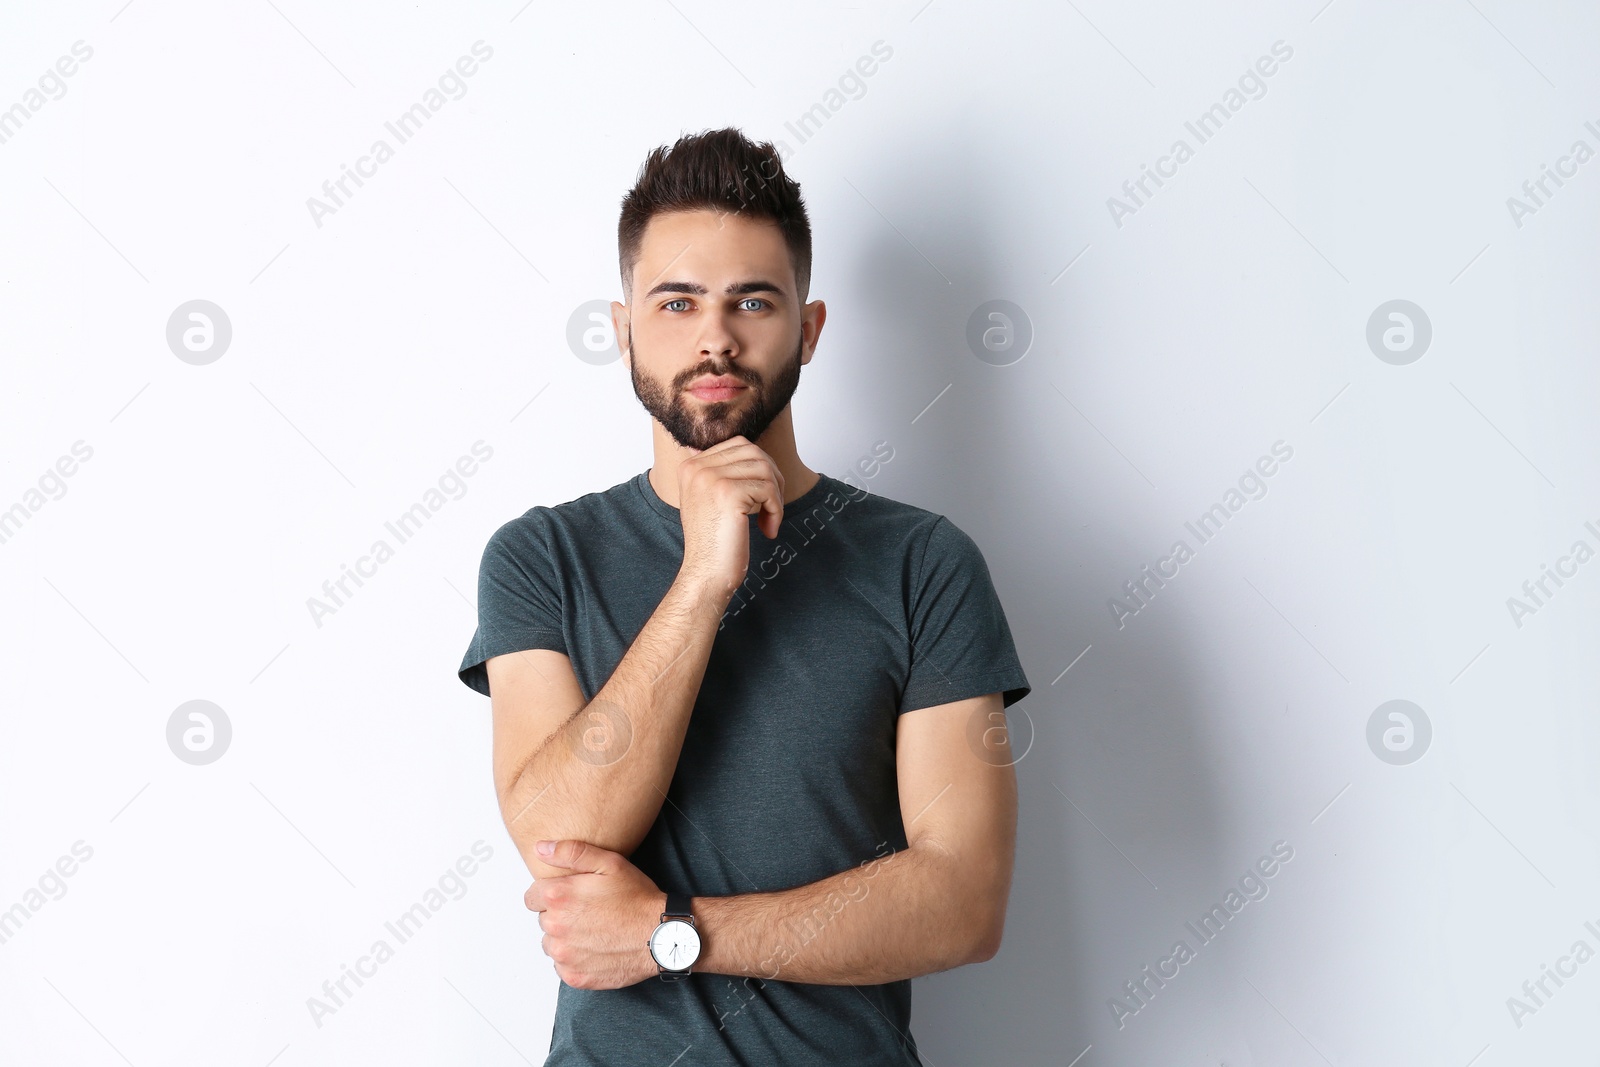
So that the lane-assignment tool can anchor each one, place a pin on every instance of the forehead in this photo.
(711, 246)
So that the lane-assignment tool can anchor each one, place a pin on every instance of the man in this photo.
(757, 710)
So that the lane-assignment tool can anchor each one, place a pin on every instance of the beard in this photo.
(743, 416)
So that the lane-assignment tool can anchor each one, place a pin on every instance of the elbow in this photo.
(987, 923)
(987, 941)
(518, 804)
(532, 811)
(984, 924)
(987, 918)
(976, 907)
(536, 812)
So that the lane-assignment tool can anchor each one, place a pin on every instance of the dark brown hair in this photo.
(721, 170)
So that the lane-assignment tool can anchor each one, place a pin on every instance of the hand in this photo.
(717, 489)
(597, 920)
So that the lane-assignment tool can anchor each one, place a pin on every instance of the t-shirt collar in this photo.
(641, 484)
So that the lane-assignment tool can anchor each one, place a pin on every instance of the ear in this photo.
(622, 330)
(813, 315)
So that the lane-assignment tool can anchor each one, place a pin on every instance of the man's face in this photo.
(714, 296)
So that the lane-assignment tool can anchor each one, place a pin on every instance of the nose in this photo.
(716, 340)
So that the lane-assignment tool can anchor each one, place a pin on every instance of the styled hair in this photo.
(721, 170)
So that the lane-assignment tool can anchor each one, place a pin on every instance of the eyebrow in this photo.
(734, 289)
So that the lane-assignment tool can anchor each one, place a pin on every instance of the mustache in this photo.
(745, 375)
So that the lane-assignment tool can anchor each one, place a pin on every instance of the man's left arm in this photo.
(937, 904)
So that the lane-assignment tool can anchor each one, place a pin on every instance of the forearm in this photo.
(602, 775)
(901, 915)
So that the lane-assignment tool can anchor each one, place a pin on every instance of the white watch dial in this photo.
(675, 944)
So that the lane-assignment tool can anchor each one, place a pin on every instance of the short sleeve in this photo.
(961, 646)
(519, 599)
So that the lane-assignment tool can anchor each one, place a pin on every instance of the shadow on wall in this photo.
(1117, 733)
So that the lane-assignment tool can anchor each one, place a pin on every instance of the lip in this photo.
(717, 388)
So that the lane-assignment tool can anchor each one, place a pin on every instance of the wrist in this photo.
(674, 945)
(654, 904)
(703, 590)
(725, 947)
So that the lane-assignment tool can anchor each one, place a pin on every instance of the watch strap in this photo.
(677, 906)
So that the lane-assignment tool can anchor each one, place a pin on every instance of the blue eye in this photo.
(669, 303)
(753, 300)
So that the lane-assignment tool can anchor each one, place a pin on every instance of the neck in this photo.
(777, 442)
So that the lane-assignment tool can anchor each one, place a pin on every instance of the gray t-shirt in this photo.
(861, 609)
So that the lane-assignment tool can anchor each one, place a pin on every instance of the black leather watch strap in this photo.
(678, 905)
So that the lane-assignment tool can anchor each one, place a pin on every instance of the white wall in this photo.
(1171, 349)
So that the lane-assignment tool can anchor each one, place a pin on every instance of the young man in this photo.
(757, 710)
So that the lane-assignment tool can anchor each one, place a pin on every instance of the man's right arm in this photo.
(600, 773)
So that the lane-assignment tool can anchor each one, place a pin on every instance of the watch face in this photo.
(675, 944)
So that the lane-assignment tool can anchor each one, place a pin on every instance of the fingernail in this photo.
(544, 848)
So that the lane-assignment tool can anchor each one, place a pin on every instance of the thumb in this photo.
(771, 520)
(576, 856)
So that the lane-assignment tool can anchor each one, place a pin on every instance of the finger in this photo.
(771, 521)
(536, 898)
(722, 446)
(581, 856)
(756, 475)
(760, 494)
(729, 462)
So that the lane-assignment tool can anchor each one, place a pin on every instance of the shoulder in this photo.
(923, 534)
(597, 506)
(541, 526)
(870, 507)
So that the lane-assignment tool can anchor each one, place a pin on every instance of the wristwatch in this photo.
(675, 944)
